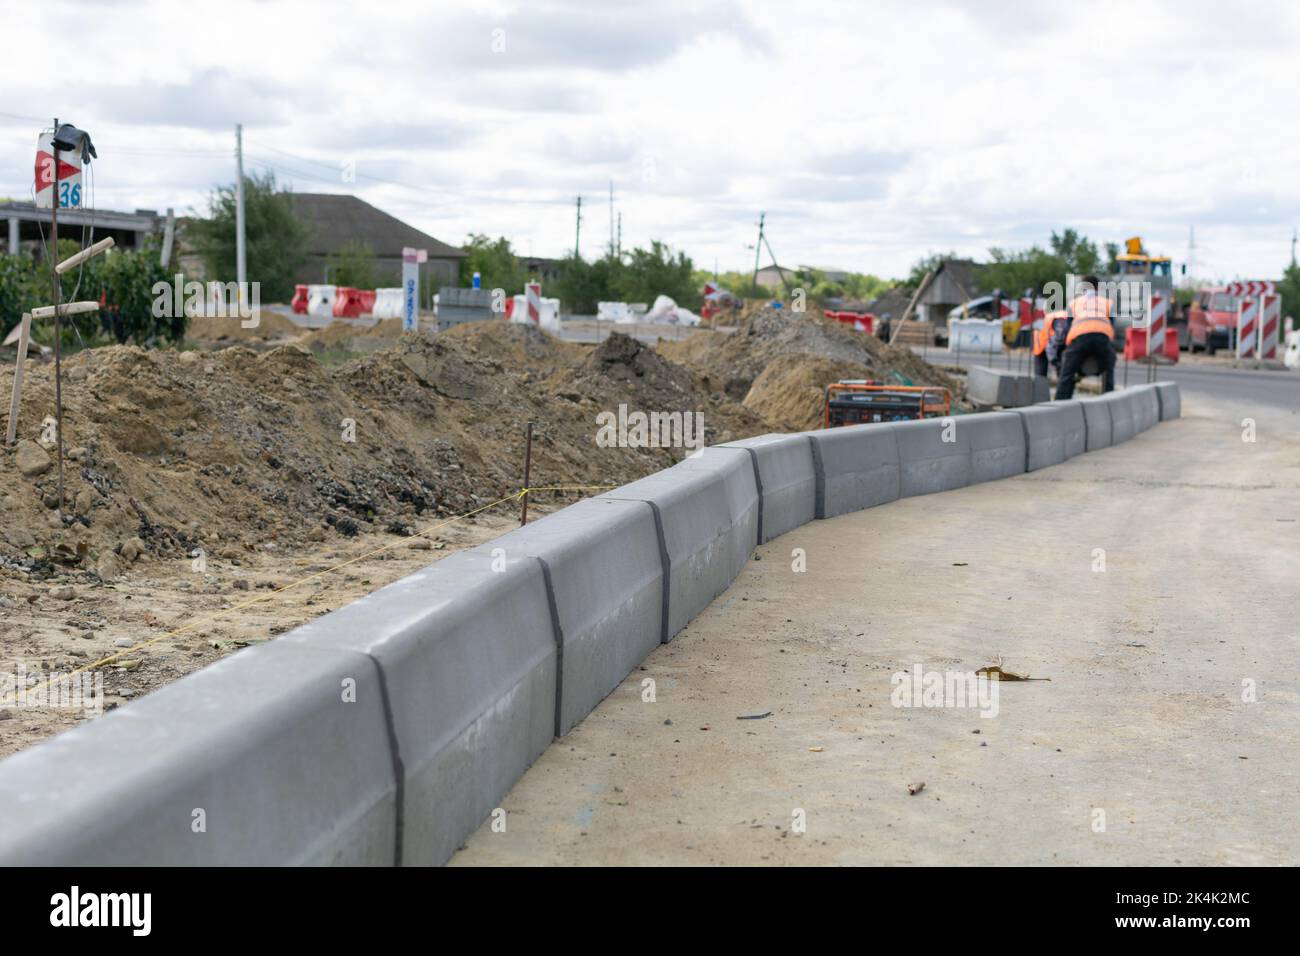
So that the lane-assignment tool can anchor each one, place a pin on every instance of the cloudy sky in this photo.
(870, 132)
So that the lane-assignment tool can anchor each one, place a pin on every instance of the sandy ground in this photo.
(167, 619)
(1139, 750)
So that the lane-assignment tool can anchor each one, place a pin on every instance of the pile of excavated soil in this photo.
(213, 331)
(791, 391)
(169, 452)
(342, 333)
(733, 362)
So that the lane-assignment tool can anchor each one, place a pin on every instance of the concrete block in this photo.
(928, 463)
(788, 479)
(467, 648)
(264, 748)
(859, 467)
(708, 510)
(1123, 415)
(1045, 425)
(1171, 402)
(1146, 406)
(987, 386)
(997, 445)
(607, 578)
(1076, 430)
(1097, 422)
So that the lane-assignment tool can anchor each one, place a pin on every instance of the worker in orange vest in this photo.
(1041, 338)
(1086, 331)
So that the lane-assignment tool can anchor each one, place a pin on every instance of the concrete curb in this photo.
(387, 731)
(857, 467)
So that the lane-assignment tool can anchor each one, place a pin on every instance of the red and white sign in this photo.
(69, 175)
(533, 297)
(1270, 321)
(1157, 324)
(1252, 287)
(1247, 326)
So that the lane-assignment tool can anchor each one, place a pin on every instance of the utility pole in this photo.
(1191, 254)
(1293, 238)
(758, 246)
(577, 232)
(611, 218)
(618, 249)
(241, 261)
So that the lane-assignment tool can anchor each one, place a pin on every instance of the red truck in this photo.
(1211, 319)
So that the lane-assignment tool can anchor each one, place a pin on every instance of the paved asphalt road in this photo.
(1207, 378)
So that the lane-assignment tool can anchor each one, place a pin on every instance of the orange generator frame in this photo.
(854, 403)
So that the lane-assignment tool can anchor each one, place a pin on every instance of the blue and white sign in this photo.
(411, 259)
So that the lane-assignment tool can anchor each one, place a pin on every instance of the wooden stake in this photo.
(24, 330)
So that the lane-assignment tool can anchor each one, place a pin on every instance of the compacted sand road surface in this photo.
(1140, 749)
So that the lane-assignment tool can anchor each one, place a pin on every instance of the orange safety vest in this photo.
(1044, 335)
(1091, 314)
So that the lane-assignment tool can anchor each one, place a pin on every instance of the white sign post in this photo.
(411, 259)
(69, 175)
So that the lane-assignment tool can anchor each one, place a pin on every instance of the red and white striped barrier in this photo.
(1247, 326)
(1270, 322)
(1157, 323)
(1251, 288)
(533, 296)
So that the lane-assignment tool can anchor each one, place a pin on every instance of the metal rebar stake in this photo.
(58, 326)
(528, 471)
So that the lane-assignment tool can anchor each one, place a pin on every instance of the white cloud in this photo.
(869, 133)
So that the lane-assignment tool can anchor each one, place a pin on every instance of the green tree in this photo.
(123, 279)
(1015, 271)
(355, 265)
(1289, 287)
(1077, 253)
(276, 237)
(126, 282)
(656, 271)
(582, 284)
(16, 287)
(495, 262)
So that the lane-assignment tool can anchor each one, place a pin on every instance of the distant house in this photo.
(543, 270)
(954, 283)
(769, 277)
(336, 219)
(889, 304)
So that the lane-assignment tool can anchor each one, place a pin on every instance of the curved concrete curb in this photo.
(387, 731)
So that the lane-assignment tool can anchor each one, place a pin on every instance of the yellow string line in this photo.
(215, 618)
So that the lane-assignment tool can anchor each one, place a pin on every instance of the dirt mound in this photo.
(271, 326)
(344, 333)
(790, 393)
(237, 449)
(733, 361)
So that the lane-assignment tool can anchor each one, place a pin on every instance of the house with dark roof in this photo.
(336, 219)
(891, 303)
(954, 283)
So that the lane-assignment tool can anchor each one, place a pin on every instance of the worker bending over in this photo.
(1042, 337)
(1086, 331)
